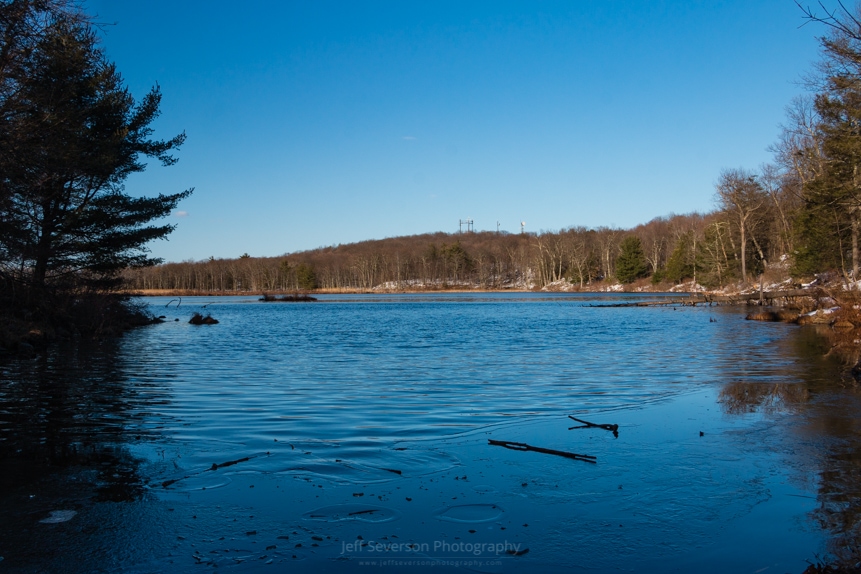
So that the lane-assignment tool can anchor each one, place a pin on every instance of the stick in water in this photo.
(525, 447)
(587, 424)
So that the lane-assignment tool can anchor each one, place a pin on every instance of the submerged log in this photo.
(525, 447)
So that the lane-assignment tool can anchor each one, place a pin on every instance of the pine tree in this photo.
(70, 135)
(631, 263)
(680, 265)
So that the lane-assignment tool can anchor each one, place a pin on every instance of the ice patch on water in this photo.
(58, 516)
(201, 483)
(358, 512)
(470, 513)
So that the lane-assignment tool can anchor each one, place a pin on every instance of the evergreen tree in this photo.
(306, 278)
(829, 223)
(631, 263)
(680, 265)
(70, 135)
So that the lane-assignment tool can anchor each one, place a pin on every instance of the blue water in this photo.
(354, 368)
(320, 402)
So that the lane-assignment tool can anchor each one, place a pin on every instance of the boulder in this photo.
(198, 319)
(820, 317)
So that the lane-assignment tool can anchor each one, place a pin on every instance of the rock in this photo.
(820, 317)
(844, 325)
(198, 319)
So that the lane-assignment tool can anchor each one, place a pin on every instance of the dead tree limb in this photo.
(525, 447)
(586, 424)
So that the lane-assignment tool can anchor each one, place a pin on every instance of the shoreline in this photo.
(207, 293)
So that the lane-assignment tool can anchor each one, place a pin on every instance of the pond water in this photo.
(353, 433)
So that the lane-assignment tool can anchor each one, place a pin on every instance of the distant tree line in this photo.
(669, 249)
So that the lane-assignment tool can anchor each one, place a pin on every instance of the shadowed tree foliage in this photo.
(829, 221)
(305, 277)
(680, 265)
(70, 135)
(631, 263)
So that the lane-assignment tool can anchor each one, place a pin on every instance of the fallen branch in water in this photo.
(586, 424)
(215, 466)
(369, 511)
(525, 447)
(228, 463)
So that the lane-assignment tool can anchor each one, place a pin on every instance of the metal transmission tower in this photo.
(467, 222)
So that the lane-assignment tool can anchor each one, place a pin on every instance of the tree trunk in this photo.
(743, 253)
(855, 244)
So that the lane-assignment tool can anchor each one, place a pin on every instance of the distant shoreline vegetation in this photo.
(659, 255)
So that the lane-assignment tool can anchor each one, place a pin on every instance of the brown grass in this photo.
(781, 315)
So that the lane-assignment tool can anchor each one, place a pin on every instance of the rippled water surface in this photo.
(286, 431)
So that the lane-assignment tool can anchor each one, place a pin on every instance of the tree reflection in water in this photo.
(823, 419)
(770, 398)
(68, 419)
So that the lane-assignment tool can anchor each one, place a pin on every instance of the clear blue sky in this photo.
(314, 123)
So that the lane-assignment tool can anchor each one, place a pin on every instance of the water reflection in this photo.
(823, 419)
(72, 408)
(738, 397)
(86, 427)
(70, 420)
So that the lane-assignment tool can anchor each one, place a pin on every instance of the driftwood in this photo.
(228, 463)
(525, 447)
(586, 424)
